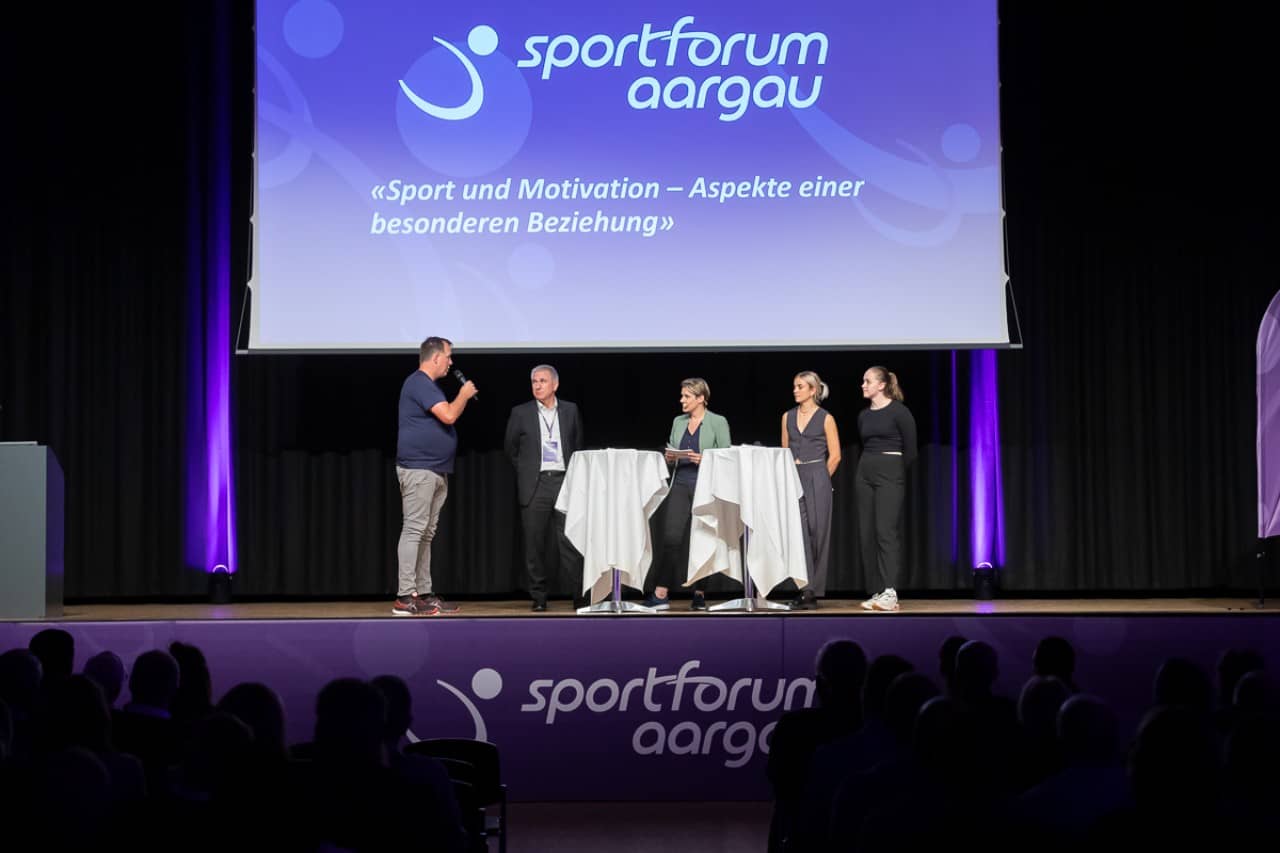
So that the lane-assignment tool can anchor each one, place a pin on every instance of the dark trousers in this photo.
(540, 519)
(674, 566)
(815, 520)
(880, 486)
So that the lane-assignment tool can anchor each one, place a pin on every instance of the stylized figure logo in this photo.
(483, 40)
(486, 684)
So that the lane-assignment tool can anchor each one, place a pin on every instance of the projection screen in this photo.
(667, 175)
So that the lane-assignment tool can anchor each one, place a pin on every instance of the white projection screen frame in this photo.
(817, 175)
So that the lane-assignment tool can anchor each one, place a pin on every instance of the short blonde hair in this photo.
(698, 388)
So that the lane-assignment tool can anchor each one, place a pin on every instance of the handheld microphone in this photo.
(457, 374)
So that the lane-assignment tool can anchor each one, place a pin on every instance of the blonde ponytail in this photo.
(814, 381)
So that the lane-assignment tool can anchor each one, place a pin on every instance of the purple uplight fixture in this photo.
(986, 495)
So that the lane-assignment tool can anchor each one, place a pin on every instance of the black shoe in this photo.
(803, 602)
(699, 601)
(539, 607)
(434, 602)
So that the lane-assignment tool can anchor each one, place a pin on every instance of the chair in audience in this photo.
(463, 773)
(489, 789)
(459, 770)
(462, 778)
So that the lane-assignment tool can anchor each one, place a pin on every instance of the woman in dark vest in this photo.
(810, 432)
(888, 435)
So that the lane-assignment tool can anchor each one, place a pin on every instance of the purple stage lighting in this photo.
(986, 495)
(210, 511)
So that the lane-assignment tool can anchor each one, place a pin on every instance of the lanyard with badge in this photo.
(550, 449)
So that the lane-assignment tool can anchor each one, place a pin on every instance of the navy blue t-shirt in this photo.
(687, 472)
(424, 441)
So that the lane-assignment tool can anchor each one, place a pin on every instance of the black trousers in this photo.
(880, 486)
(674, 566)
(540, 520)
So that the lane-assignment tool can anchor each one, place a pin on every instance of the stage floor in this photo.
(949, 607)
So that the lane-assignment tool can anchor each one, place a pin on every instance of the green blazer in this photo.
(714, 432)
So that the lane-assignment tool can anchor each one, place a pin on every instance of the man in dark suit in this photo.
(542, 435)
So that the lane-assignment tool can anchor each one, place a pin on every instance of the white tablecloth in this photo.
(607, 498)
(757, 488)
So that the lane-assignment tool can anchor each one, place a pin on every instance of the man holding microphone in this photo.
(425, 448)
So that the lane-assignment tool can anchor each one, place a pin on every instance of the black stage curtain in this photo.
(1140, 219)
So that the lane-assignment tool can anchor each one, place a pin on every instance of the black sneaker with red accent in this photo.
(437, 604)
(407, 605)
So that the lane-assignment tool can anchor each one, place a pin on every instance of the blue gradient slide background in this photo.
(908, 105)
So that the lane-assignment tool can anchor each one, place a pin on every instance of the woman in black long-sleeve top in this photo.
(888, 447)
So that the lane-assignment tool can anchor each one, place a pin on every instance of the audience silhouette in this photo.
(886, 759)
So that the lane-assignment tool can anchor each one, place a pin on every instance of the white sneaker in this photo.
(870, 603)
(887, 602)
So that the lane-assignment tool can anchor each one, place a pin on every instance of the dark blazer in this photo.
(524, 442)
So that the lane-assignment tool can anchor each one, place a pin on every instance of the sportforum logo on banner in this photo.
(679, 46)
(712, 716)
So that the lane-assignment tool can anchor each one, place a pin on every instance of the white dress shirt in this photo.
(549, 430)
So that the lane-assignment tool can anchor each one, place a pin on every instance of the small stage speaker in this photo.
(984, 582)
(220, 585)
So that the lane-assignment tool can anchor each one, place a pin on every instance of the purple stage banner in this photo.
(643, 708)
(1269, 421)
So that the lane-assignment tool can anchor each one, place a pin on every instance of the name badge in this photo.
(550, 450)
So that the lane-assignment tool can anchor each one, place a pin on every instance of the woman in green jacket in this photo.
(694, 432)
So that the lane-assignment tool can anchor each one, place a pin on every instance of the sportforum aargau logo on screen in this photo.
(705, 54)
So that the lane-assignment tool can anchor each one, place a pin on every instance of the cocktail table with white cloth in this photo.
(607, 498)
(755, 490)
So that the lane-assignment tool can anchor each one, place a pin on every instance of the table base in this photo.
(749, 605)
(615, 604)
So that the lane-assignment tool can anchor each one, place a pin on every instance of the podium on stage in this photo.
(752, 494)
(608, 497)
(31, 532)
